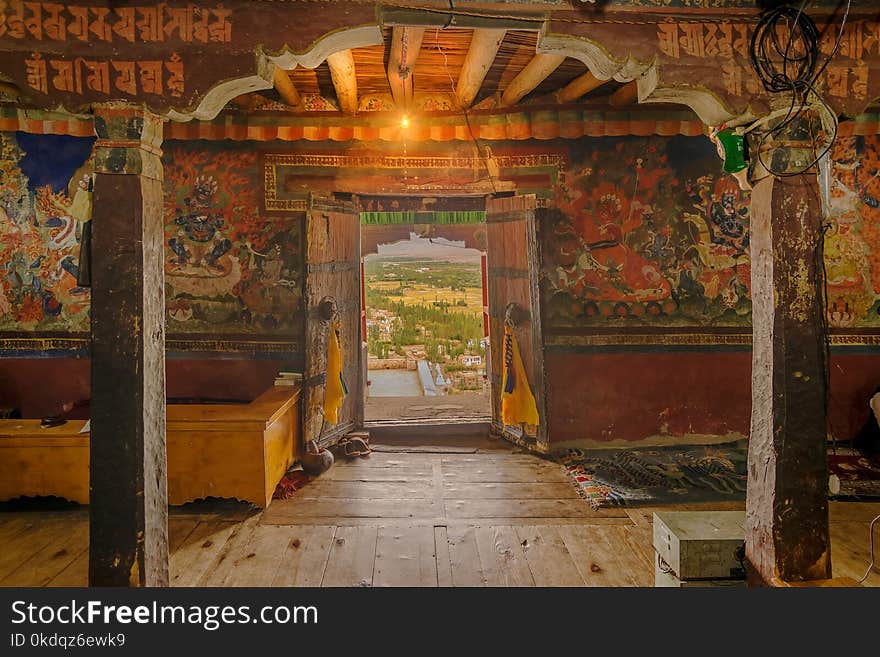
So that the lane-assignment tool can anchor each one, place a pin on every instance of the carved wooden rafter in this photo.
(533, 74)
(480, 56)
(406, 42)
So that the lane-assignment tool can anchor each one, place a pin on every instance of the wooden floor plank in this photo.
(75, 574)
(352, 557)
(189, 562)
(365, 473)
(464, 557)
(388, 490)
(46, 530)
(444, 563)
(505, 491)
(405, 556)
(259, 560)
(501, 473)
(218, 568)
(311, 507)
(305, 557)
(526, 508)
(501, 557)
(45, 564)
(548, 558)
(603, 557)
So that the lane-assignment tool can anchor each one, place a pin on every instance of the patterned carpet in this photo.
(658, 475)
(694, 473)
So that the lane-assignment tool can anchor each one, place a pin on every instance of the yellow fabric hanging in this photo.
(335, 388)
(517, 402)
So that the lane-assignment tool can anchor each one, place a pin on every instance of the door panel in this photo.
(513, 265)
(332, 274)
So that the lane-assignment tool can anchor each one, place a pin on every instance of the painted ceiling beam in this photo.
(285, 88)
(406, 43)
(626, 95)
(534, 73)
(342, 72)
(480, 56)
(580, 86)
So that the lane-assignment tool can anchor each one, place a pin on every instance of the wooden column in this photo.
(787, 507)
(128, 510)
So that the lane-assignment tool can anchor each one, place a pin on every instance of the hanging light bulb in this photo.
(404, 122)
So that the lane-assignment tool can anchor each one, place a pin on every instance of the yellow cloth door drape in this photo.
(335, 389)
(517, 402)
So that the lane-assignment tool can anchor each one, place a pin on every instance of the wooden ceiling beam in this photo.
(534, 73)
(406, 43)
(285, 88)
(580, 86)
(626, 95)
(342, 72)
(480, 56)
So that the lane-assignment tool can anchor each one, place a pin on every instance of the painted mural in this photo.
(44, 200)
(852, 241)
(645, 233)
(228, 268)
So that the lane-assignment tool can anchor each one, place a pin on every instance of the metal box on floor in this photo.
(696, 546)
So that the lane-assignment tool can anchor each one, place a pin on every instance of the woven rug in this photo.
(643, 476)
(859, 475)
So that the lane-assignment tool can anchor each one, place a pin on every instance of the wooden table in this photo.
(237, 451)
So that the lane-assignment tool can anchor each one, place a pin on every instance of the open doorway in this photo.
(425, 324)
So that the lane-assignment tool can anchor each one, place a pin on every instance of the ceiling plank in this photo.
(286, 89)
(580, 86)
(534, 73)
(480, 56)
(406, 43)
(342, 72)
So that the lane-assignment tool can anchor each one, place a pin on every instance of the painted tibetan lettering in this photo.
(51, 21)
(130, 77)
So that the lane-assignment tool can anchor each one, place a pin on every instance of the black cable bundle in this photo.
(789, 66)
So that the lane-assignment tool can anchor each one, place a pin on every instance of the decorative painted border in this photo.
(687, 339)
(10, 346)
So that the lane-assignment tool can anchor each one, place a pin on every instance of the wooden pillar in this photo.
(787, 507)
(128, 509)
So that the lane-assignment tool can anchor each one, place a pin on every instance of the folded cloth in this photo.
(335, 389)
(517, 402)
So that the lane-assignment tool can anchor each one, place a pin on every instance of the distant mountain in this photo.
(422, 248)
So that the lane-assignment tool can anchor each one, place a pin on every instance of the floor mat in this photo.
(859, 475)
(644, 476)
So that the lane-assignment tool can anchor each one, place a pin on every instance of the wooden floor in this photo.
(484, 515)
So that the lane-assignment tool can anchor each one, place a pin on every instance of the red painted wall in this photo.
(41, 386)
(631, 396)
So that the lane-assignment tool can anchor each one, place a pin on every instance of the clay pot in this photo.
(315, 463)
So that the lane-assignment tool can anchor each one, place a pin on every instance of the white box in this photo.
(701, 544)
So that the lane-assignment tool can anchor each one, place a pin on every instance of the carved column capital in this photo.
(129, 141)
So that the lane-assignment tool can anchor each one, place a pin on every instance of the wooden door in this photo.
(333, 257)
(512, 258)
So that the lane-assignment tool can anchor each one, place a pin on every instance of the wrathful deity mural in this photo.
(44, 200)
(645, 232)
(228, 268)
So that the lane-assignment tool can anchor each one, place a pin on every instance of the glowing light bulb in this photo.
(404, 122)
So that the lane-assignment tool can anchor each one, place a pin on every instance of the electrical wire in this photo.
(464, 110)
(870, 565)
(792, 68)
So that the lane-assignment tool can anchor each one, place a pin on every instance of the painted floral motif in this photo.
(40, 233)
(228, 269)
(642, 234)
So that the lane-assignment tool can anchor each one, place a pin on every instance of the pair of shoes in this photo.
(355, 446)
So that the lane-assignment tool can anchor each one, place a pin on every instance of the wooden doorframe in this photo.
(508, 212)
(325, 279)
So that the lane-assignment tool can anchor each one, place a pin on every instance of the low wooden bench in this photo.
(238, 451)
